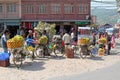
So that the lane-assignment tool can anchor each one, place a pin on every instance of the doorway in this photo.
(57, 28)
(12, 30)
(67, 28)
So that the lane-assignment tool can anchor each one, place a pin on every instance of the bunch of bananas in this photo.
(15, 42)
(30, 48)
(84, 41)
(102, 40)
(43, 40)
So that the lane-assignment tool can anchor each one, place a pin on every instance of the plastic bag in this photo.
(4, 55)
(30, 42)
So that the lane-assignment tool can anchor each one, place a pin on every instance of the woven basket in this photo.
(69, 53)
(16, 44)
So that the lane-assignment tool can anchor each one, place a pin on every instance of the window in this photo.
(55, 8)
(1, 8)
(83, 8)
(42, 8)
(28, 8)
(69, 8)
(11, 7)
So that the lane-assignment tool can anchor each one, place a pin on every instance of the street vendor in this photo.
(44, 33)
(4, 40)
(94, 39)
(66, 38)
(30, 41)
(30, 34)
(107, 44)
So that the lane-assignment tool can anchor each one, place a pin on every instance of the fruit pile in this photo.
(15, 42)
(30, 48)
(102, 40)
(83, 41)
(49, 27)
(43, 40)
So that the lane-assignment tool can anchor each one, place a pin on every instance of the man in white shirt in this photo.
(66, 38)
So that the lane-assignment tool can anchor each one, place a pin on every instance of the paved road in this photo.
(109, 73)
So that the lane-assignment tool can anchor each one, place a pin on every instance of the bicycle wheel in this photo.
(59, 51)
(17, 60)
(39, 52)
(84, 52)
(82, 55)
(76, 49)
(46, 51)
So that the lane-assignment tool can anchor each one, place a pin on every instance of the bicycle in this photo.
(19, 55)
(41, 50)
(87, 50)
(59, 48)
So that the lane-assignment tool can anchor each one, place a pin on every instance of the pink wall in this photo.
(49, 16)
(13, 15)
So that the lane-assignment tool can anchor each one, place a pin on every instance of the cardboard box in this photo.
(4, 63)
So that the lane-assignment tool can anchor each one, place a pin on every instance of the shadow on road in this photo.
(96, 58)
(30, 66)
(33, 66)
(118, 44)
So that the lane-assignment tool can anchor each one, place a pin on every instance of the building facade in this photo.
(118, 5)
(65, 13)
(10, 15)
(118, 10)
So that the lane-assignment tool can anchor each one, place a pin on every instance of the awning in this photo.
(81, 22)
(12, 22)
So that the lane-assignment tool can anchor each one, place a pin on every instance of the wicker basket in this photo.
(4, 63)
(69, 53)
(16, 44)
